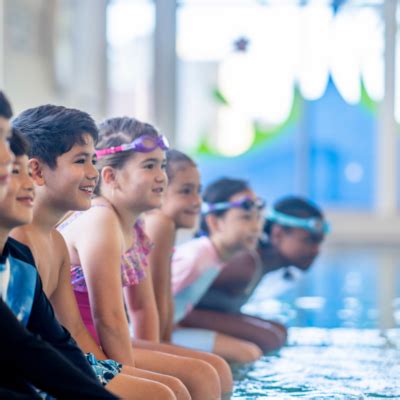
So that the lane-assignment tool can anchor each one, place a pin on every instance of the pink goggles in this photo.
(142, 144)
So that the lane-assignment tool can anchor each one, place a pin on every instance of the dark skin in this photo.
(286, 247)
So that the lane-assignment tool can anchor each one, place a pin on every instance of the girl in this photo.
(108, 251)
(231, 223)
(180, 209)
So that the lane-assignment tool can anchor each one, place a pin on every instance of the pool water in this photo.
(344, 340)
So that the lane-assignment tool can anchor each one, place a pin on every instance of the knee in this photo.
(201, 372)
(224, 372)
(179, 390)
(161, 391)
(248, 352)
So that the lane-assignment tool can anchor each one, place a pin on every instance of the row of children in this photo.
(120, 278)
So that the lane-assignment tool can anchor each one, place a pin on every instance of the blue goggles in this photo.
(246, 203)
(313, 225)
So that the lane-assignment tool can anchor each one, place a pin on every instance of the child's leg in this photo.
(179, 389)
(133, 388)
(199, 377)
(223, 370)
(268, 335)
(228, 347)
(236, 350)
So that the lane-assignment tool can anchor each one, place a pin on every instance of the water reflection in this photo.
(355, 293)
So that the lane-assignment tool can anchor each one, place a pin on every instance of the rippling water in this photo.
(344, 336)
(326, 364)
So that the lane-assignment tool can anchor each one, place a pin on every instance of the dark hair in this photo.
(295, 206)
(18, 144)
(218, 191)
(115, 132)
(5, 106)
(177, 160)
(54, 130)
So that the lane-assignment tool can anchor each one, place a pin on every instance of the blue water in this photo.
(344, 336)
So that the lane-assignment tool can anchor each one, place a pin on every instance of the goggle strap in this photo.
(310, 224)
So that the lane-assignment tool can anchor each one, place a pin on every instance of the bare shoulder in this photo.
(158, 223)
(21, 234)
(25, 235)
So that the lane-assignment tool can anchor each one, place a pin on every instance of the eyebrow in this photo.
(157, 160)
(85, 153)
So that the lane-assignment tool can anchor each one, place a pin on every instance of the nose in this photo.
(91, 172)
(161, 177)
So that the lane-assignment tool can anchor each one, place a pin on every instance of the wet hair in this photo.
(115, 132)
(18, 144)
(53, 130)
(5, 106)
(218, 191)
(295, 206)
(177, 160)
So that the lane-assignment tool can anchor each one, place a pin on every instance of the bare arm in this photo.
(66, 307)
(161, 231)
(99, 247)
(142, 309)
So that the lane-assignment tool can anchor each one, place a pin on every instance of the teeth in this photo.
(87, 189)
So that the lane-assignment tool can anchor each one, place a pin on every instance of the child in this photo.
(107, 243)
(62, 156)
(181, 209)
(231, 223)
(6, 156)
(294, 229)
(27, 358)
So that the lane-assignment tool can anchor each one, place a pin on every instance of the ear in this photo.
(36, 167)
(109, 176)
(276, 234)
(213, 222)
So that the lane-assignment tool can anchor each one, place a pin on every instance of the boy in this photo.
(26, 357)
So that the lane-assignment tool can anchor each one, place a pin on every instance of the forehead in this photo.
(301, 233)
(248, 193)
(185, 173)
(86, 143)
(138, 157)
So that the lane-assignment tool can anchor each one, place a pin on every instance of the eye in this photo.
(149, 166)
(164, 165)
(80, 161)
(94, 161)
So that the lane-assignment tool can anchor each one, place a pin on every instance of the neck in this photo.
(127, 218)
(3, 237)
(45, 214)
(223, 252)
(271, 259)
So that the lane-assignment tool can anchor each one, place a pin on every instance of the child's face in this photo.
(142, 181)
(182, 198)
(17, 207)
(240, 229)
(6, 156)
(296, 245)
(70, 184)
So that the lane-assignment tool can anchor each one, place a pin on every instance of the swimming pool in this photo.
(344, 341)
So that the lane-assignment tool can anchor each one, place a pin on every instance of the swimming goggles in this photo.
(246, 203)
(142, 144)
(313, 225)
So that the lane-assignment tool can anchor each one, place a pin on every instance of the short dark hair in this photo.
(53, 130)
(18, 144)
(176, 160)
(295, 206)
(5, 106)
(218, 191)
(115, 132)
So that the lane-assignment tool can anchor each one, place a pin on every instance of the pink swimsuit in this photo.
(133, 270)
